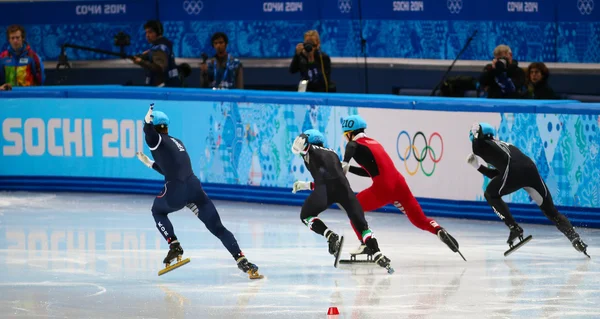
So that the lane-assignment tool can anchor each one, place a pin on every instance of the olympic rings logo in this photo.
(585, 6)
(454, 6)
(405, 153)
(193, 7)
(345, 6)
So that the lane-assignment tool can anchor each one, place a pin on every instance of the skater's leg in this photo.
(369, 201)
(493, 194)
(406, 202)
(348, 200)
(314, 205)
(206, 211)
(541, 196)
(203, 207)
(164, 205)
(353, 209)
(168, 201)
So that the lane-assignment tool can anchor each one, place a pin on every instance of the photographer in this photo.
(503, 78)
(537, 82)
(159, 61)
(313, 64)
(223, 71)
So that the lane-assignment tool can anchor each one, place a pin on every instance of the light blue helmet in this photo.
(160, 118)
(487, 129)
(353, 123)
(315, 137)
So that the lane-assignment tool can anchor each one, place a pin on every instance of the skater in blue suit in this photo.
(182, 189)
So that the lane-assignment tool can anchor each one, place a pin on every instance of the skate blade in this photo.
(461, 255)
(253, 274)
(585, 253)
(173, 267)
(517, 246)
(457, 250)
(339, 253)
(353, 259)
(356, 261)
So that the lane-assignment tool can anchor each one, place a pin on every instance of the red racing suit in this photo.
(389, 186)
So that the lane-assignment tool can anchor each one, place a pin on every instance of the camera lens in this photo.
(308, 47)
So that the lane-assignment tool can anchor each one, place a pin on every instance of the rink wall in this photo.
(85, 139)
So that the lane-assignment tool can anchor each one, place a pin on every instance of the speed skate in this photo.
(518, 245)
(362, 250)
(168, 267)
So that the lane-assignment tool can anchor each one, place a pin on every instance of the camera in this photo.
(122, 40)
(308, 46)
(501, 64)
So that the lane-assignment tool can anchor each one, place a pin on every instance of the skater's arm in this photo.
(157, 168)
(152, 137)
(148, 162)
(348, 155)
(350, 151)
(359, 171)
(489, 172)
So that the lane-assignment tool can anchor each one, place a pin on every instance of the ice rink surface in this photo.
(97, 256)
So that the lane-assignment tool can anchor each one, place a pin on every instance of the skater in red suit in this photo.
(389, 186)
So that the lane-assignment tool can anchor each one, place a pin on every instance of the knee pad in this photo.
(309, 220)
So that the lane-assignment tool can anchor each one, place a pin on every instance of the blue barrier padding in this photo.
(309, 98)
(205, 95)
(570, 108)
(116, 94)
(22, 94)
(374, 100)
(524, 213)
(288, 98)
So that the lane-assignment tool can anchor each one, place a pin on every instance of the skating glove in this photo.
(144, 159)
(345, 167)
(149, 117)
(299, 146)
(472, 159)
(475, 130)
(301, 186)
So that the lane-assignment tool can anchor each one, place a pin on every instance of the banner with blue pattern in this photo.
(250, 143)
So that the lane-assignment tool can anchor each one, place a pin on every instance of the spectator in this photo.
(537, 82)
(5, 87)
(503, 78)
(223, 71)
(21, 66)
(313, 64)
(159, 60)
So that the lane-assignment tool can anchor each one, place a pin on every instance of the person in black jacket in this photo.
(503, 78)
(159, 60)
(537, 82)
(313, 64)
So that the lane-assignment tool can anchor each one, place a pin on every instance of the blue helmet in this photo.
(487, 129)
(353, 123)
(160, 118)
(315, 137)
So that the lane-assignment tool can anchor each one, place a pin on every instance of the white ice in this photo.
(97, 256)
